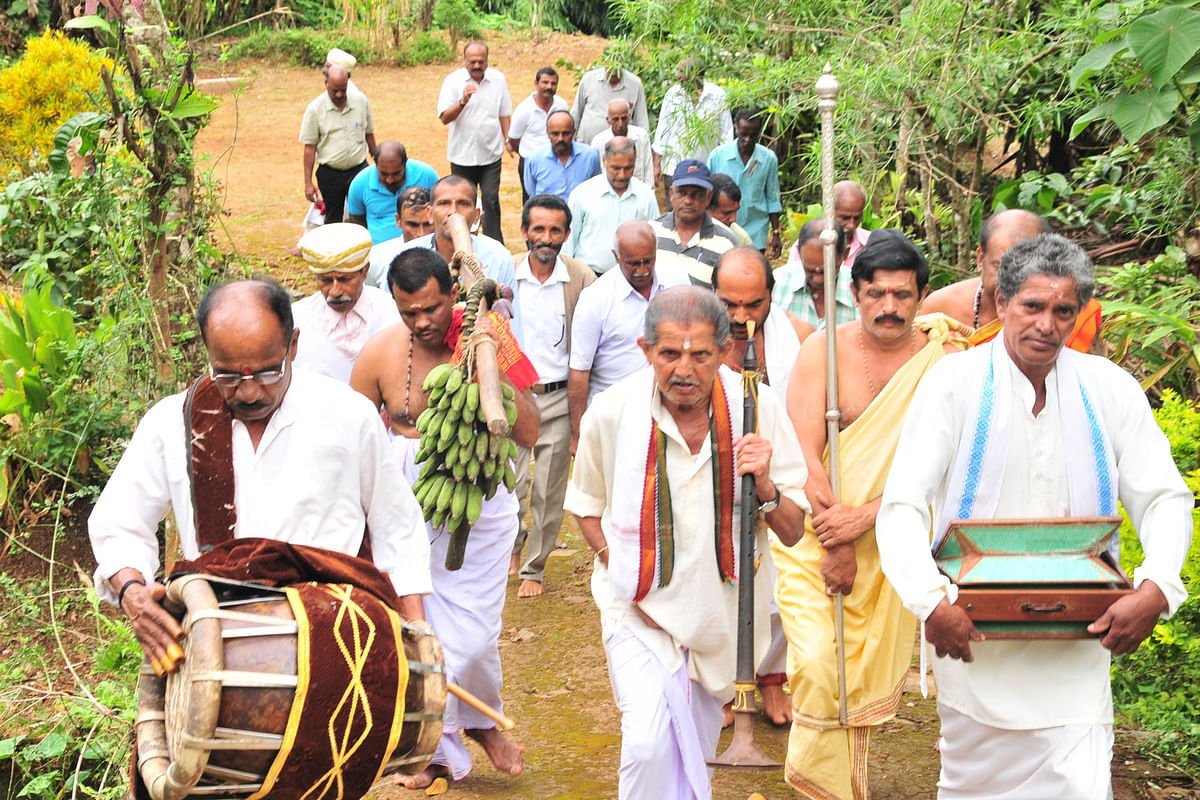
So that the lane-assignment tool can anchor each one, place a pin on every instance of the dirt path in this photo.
(556, 680)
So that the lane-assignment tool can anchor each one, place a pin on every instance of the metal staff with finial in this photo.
(827, 90)
(742, 751)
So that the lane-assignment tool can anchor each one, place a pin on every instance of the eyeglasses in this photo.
(263, 377)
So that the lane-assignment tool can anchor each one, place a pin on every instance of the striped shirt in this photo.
(698, 255)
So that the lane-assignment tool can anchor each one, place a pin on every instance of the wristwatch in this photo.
(772, 504)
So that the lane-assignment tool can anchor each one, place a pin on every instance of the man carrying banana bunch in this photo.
(466, 604)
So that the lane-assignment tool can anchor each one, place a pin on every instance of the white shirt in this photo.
(474, 137)
(676, 137)
(697, 611)
(1020, 685)
(330, 340)
(323, 470)
(609, 318)
(596, 213)
(544, 320)
(529, 124)
(643, 162)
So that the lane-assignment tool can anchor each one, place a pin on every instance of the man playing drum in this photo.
(665, 533)
(307, 459)
(466, 604)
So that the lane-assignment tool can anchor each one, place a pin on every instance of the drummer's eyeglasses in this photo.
(263, 377)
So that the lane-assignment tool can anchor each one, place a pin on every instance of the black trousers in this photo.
(486, 178)
(521, 175)
(334, 185)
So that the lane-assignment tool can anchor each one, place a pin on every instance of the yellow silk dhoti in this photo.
(824, 760)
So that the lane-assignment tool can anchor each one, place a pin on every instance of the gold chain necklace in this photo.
(862, 348)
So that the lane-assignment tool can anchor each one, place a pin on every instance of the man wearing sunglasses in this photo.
(256, 448)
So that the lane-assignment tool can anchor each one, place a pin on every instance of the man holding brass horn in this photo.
(880, 358)
(653, 489)
(1021, 428)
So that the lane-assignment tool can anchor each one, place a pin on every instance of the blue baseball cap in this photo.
(692, 173)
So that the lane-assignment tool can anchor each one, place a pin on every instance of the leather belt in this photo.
(546, 388)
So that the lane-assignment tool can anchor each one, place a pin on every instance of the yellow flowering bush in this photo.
(48, 86)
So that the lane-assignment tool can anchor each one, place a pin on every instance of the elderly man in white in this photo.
(665, 533)
(344, 312)
(1023, 428)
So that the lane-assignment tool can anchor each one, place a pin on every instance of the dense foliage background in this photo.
(1085, 112)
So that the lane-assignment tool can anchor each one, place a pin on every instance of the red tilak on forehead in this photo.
(247, 371)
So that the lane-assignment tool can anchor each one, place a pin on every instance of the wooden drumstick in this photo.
(505, 723)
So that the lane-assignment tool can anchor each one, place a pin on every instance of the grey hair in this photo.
(1045, 254)
(614, 148)
(686, 305)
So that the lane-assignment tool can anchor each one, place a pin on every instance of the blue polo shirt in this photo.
(545, 174)
(371, 199)
(758, 179)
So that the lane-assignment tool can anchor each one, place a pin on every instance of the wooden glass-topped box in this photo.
(1033, 578)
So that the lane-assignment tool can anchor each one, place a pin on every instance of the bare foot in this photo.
(728, 719)
(423, 778)
(776, 705)
(507, 756)
(514, 565)
(529, 589)
(293, 251)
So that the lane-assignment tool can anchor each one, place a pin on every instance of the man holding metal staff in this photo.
(880, 359)
(1023, 428)
(667, 442)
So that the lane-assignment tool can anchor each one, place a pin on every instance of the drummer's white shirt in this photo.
(323, 470)
(1022, 685)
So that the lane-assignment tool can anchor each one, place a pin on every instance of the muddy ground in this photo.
(556, 682)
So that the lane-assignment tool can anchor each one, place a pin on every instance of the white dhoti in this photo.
(669, 724)
(979, 762)
(465, 611)
(774, 662)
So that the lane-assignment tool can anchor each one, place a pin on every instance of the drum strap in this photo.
(208, 426)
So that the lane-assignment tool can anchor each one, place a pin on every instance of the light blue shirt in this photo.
(758, 179)
(497, 261)
(545, 174)
(597, 211)
(371, 199)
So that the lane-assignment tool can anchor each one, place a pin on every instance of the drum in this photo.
(287, 692)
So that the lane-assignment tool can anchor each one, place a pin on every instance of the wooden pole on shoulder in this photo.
(487, 366)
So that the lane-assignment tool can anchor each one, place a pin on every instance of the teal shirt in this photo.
(758, 179)
(371, 199)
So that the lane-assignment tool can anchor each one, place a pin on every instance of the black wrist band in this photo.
(125, 586)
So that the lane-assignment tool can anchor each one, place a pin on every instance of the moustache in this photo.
(889, 318)
(339, 300)
(239, 405)
(683, 382)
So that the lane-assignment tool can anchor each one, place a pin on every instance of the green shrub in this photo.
(305, 47)
(1158, 687)
(48, 86)
(458, 18)
(424, 49)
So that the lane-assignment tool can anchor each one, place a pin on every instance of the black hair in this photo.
(724, 185)
(417, 197)
(544, 71)
(411, 269)
(749, 114)
(891, 251)
(550, 201)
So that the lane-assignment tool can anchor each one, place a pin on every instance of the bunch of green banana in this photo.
(461, 463)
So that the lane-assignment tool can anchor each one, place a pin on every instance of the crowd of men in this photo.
(627, 330)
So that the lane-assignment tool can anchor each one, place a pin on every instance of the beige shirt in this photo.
(697, 611)
(339, 134)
